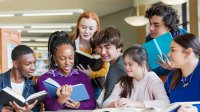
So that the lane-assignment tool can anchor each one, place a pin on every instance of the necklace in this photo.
(184, 80)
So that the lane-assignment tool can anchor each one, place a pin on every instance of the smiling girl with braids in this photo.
(61, 56)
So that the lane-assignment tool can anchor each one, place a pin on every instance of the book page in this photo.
(85, 54)
(35, 95)
(124, 109)
(53, 82)
(14, 94)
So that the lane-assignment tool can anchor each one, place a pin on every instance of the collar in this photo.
(55, 72)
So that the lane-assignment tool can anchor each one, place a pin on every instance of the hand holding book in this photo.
(79, 92)
(165, 63)
(7, 94)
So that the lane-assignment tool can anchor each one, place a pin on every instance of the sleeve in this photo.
(115, 74)
(113, 97)
(100, 73)
(49, 102)
(160, 98)
(87, 104)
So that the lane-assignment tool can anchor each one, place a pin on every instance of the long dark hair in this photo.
(186, 41)
(56, 39)
(139, 55)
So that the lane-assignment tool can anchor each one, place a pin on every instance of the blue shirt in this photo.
(188, 93)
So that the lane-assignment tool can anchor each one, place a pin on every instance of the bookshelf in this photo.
(8, 40)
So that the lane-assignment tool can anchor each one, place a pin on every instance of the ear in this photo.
(189, 51)
(119, 49)
(15, 64)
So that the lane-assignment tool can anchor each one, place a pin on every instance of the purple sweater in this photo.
(75, 77)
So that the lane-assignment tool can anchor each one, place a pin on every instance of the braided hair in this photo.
(57, 39)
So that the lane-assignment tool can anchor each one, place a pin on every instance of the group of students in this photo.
(129, 80)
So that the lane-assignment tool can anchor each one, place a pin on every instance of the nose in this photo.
(126, 67)
(169, 54)
(151, 27)
(87, 30)
(67, 62)
(103, 51)
(33, 66)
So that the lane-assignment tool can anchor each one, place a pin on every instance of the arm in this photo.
(160, 98)
(110, 101)
(87, 104)
(115, 74)
(100, 73)
(49, 102)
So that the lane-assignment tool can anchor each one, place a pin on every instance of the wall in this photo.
(129, 33)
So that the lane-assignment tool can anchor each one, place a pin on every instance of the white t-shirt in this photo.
(18, 87)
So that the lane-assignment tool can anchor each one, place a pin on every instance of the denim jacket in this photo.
(29, 87)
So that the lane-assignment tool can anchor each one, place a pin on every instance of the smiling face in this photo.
(108, 52)
(177, 55)
(133, 69)
(157, 26)
(64, 57)
(87, 27)
(26, 65)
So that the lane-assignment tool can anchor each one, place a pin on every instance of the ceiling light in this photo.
(40, 12)
(39, 26)
(46, 31)
(173, 2)
(11, 26)
(35, 44)
(136, 20)
(47, 14)
(7, 15)
(40, 39)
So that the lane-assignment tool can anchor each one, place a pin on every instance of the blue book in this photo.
(79, 91)
(158, 46)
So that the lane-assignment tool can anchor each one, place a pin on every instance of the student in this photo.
(141, 88)
(87, 27)
(109, 45)
(182, 84)
(61, 57)
(17, 78)
(163, 18)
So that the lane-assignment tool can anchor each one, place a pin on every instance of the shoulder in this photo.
(153, 78)
(44, 76)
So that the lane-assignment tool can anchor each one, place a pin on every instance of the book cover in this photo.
(7, 94)
(79, 91)
(95, 62)
(158, 46)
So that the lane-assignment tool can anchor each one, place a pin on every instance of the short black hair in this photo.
(169, 14)
(19, 51)
(57, 39)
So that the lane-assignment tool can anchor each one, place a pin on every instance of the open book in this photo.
(175, 106)
(79, 92)
(7, 94)
(94, 61)
(126, 109)
(158, 46)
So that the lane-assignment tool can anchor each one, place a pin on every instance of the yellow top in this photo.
(99, 73)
